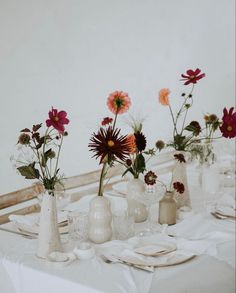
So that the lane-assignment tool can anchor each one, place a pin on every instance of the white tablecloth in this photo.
(211, 271)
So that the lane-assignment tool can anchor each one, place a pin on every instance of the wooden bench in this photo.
(24, 201)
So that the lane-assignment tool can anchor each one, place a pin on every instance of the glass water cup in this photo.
(123, 225)
(78, 226)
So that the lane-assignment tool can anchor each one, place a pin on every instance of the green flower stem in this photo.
(58, 155)
(101, 180)
(114, 123)
(38, 155)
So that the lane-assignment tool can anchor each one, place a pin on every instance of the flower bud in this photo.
(24, 138)
(160, 145)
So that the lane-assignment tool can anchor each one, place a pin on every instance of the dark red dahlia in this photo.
(180, 158)
(150, 178)
(228, 127)
(140, 140)
(192, 76)
(179, 187)
(110, 144)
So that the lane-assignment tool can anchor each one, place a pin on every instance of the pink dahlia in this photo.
(228, 127)
(118, 102)
(57, 120)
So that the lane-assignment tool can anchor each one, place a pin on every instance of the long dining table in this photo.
(211, 240)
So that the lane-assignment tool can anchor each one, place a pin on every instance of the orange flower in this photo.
(164, 97)
(131, 142)
(118, 102)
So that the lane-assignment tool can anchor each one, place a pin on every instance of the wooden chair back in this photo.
(25, 201)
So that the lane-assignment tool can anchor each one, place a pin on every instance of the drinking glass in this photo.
(123, 225)
(78, 225)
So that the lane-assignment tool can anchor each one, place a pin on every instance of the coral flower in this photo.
(192, 76)
(118, 102)
(228, 128)
(131, 142)
(164, 97)
(57, 120)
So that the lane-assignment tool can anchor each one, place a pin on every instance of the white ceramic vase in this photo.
(135, 190)
(179, 174)
(49, 237)
(100, 219)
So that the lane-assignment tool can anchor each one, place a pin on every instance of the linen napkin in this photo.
(33, 219)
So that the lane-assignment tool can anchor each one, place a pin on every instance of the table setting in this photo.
(149, 232)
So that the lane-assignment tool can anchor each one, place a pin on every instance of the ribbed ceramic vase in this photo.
(179, 174)
(49, 237)
(100, 220)
(135, 189)
(167, 209)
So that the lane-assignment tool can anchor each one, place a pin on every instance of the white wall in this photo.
(72, 53)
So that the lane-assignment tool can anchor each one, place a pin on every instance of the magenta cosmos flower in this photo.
(57, 120)
(228, 128)
(118, 102)
(192, 76)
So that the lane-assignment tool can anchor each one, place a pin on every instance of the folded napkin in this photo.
(226, 205)
(34, 218)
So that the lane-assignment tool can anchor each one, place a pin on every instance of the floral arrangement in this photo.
(108, 144)
(45, 150)
(150, 178)
(136, 162)
(184, 136)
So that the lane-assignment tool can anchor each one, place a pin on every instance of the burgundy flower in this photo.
(57, 120)
(228, 128)
(140, 141)
(128, 162)
(150, 178)
(192, 76)
(180, 158)
(106, 121)
(179, 187)
(108, 143)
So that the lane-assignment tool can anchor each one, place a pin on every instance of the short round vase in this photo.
(100, 219)
(136, 208)
(49, 237)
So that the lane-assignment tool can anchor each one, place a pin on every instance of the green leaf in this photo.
(46, 156)
(139, 164)
(29, 172)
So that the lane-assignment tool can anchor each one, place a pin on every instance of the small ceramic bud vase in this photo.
(100, 219)
(49, 237)
(167, 209)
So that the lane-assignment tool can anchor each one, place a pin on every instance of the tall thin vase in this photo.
(49, 237)
(180, 174)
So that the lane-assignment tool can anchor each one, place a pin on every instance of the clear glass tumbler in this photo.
(78, 225)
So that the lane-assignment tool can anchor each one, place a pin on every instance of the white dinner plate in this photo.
(173, 258)
(156, 249)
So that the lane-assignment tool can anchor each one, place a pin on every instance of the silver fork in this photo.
(115, 260)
